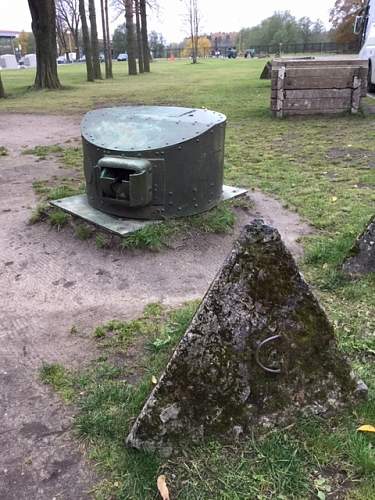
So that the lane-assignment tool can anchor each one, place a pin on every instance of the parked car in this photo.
(122, 57)
(232, 53)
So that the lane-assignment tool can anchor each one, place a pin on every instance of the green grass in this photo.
(83, 231)
(220, 219)
(307, 460)
(59, 378)
(324, 168)
(57, 218)
(102, 240)
(43, 151)
(59, 186)
(212, 84)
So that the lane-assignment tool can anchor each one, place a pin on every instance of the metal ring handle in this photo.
(257, 354)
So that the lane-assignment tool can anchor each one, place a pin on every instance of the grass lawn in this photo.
(324, 168)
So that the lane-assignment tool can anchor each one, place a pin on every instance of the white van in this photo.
(365, 28)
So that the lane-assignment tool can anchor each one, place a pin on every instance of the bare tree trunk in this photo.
(2, 91)
(145, 46)
(196, 27)
(191, 23)
(43, 15)
(132, 61)
(76, 41)
(139, 37)
(94, 41)
(86, 42)
(105, 46)
(109, 45)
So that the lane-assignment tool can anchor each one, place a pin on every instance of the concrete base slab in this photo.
(79, 207)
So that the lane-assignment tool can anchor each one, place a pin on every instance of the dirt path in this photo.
(50, 282)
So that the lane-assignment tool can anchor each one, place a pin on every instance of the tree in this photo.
(121, 7)
(156, 43)
(23, 41)
(94, 41)
(67, 12)
(120, 41)
(130, 35)
(342, 16)
(305, 27)
(62, 37)
(139, 36)
(144, 36)
(106, 40)
(43, 24)
(2, 91)
(193, 20)
(86, 42)
(283, 28)
(203, 47)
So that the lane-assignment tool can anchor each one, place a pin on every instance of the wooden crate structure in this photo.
(317, 86)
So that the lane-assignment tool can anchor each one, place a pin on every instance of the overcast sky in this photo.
(231, 15)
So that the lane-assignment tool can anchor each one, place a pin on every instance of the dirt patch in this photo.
(350, 154)
(50, 281)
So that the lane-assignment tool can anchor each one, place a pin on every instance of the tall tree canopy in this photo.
(157, 43)
(284, 28)
(43, 16)
(119, 40)
(342, 16)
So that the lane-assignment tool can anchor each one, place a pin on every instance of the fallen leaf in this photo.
(366, 428)
(162, 487)
(154, 380)
(334, 198)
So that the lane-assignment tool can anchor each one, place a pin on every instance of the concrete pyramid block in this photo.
(259, 350)
(361, 260)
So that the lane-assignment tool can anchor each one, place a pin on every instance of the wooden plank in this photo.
(280, 91)
(317, 93)
(312, 104)
(292, 83)
(305, 112)
(323, 72)
(356, 95)
(320, 62)
(363, 74)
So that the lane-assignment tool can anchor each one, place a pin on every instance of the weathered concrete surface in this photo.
(259, 349)
(361, 259)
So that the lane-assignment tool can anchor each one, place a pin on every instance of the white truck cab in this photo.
(365, 27)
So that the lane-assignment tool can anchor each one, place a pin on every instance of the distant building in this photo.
(222, 40)
(7, 41)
